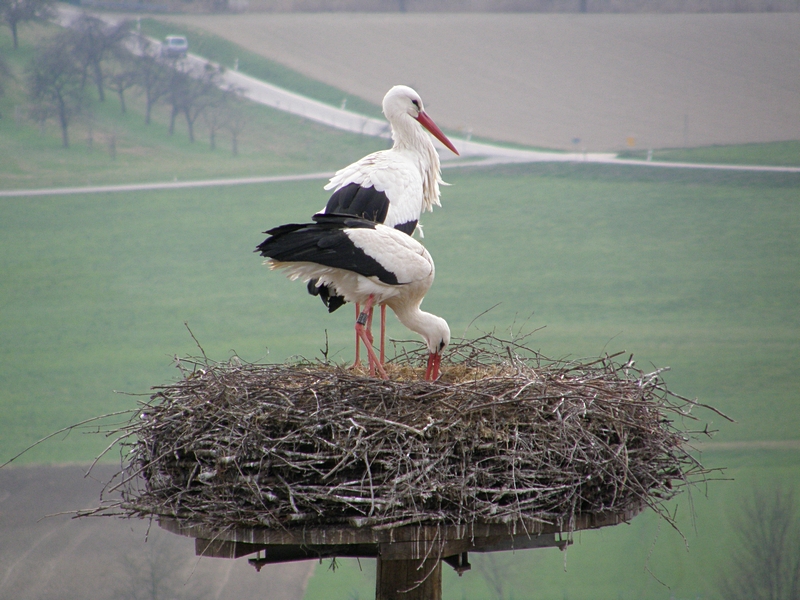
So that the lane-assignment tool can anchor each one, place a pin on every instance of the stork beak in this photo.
(428, 124)
(432, 372)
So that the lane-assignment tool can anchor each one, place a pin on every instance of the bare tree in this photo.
(93, 41)
(765, 564)
(220, 112)
(159, 571)
(5, 75)
(236, 123)
(214, 117)
(152, 76)
(191, 93)
(122, 74)
(54, 86)
(14, 12)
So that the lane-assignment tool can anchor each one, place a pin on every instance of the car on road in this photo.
(174, 46)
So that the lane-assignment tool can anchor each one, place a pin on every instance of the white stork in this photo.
(394, 186)
(367, 263)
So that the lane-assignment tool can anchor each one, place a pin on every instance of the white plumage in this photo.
(407, 175)
(394, 186)
(366, 263)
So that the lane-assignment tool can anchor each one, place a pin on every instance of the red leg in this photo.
(358, 340)
(369, 326)
(383, 333)
(365, 336)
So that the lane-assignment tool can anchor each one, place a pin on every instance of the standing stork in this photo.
(393, 187)
(367, 263)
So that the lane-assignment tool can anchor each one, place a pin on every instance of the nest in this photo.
(506, 435)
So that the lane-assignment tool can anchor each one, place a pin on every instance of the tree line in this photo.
(92, 53)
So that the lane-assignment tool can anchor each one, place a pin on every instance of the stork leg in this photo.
(365, 336)
(383, 333)
(369, 325)
(358, 339)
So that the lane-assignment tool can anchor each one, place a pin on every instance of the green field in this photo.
(695, 270)
(693, 274)
(696, 275)
(273, 142)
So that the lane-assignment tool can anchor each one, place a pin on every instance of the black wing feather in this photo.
(364, 202)
(325, 242)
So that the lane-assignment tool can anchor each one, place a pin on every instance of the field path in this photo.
(534, 157)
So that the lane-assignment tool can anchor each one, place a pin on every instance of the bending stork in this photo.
(393, 187)
(367, 263)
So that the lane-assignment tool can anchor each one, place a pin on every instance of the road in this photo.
(475, 153)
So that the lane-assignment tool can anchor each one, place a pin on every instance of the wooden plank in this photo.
(519, 535)
(408, 579)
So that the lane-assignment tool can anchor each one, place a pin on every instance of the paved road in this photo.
(281, 99)
(323, 176)
(166, 185)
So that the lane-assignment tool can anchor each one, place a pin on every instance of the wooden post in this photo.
(394, 577)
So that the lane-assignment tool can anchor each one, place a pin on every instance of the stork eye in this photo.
(415, 103)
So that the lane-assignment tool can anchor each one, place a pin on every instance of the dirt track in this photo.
(88, 559)
(543, 80)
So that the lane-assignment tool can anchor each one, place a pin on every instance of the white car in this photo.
(174, 46)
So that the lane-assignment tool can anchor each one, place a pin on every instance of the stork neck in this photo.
(429, 326)
(409, 136)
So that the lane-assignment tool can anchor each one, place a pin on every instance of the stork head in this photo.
(402, 100)
(437, 337)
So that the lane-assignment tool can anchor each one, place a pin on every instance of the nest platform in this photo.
(507, 448)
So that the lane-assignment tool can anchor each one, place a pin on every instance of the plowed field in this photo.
(569, 81)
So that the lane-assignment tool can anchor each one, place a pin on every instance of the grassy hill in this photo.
(696, 270)
(273, 142)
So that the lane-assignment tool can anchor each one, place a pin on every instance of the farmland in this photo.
(611, 82)
(695, 270)
(685, 273)
(692, 274)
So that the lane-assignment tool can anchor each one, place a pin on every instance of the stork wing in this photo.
(326, 242)
(397, 253)
(385, 176)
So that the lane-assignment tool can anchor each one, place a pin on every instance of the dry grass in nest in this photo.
(505, 435)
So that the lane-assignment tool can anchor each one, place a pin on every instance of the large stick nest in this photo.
(504, 435)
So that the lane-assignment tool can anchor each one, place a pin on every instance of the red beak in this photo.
(432, 372)
(428, 124)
